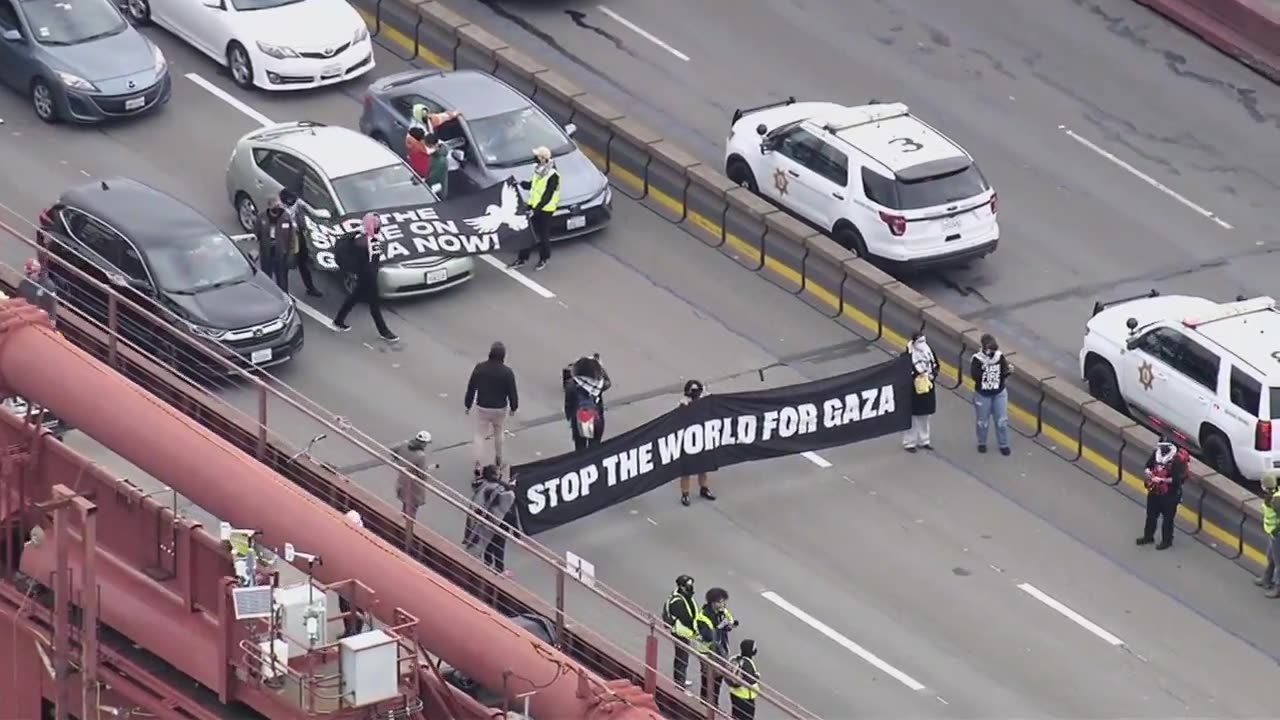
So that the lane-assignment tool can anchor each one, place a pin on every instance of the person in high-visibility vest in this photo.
(544, 199)
(744, 683)
(678, 615)
(1270, 578)
(717, 612)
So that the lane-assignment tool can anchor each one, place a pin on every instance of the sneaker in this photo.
(684, 499)
(1006, 451)
(1272, 593)
(516, 265)
(1144, 541)
(341, 327)
(1262, 583)
(391, 338)
(706, 494)
(926, 446)
(1165, 545)
(982, 448)
(542, 264)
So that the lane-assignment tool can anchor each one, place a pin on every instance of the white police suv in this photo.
(1207, 373)
(880, 181)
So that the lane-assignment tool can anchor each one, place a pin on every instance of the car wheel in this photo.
(850, 239)
(43, 102)
(740, 172)
(1103, 385)
(246, 211)
(139, 11)
(1217, 452)
(240, 66)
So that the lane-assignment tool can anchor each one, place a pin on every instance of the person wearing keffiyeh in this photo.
(366, 256)
(1165, 475)
(924, 396)
(585, 382)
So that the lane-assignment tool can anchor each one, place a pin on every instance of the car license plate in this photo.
(576, 223)
(437, 276)
(257, 357)
(332, 70)
(951, 223)
(135, 103)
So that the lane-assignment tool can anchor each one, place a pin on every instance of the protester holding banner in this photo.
(924, 394)
(364, 256)
(693, 391)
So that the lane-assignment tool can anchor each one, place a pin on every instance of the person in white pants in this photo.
(924, 393)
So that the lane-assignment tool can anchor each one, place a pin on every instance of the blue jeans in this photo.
(988, 407)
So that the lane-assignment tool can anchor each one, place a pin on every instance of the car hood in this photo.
(783, 114)
(580, 179)
(313, 24)
(1112, 323)
(123, 55)
(244, 304)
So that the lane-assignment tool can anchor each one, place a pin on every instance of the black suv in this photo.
(167, 257)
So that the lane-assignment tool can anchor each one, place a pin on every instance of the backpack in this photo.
(346, 253)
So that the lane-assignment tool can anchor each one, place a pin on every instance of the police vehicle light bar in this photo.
(1232, 310)
(864, 115)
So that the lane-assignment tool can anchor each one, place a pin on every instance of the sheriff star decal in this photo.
(780, 181)
(1146, 375)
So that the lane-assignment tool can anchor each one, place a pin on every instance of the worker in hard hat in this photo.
(415, 454)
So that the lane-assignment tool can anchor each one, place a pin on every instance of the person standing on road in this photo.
(924, 395)
(298, 210)
(544, 199)
(363, 251)
(744, 683)
(438, 169)
(693, 390)
(585, 382)
(717, 611)
(423, 117)
(1166, 472)
(491, 499)
(409, 488)
(990, 371)
(278, 240)
(679, 615)
(1270, 578)
(492, 390)
(416, 153)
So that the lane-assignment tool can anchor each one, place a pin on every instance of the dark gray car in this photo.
(79, 60)
(493, 140)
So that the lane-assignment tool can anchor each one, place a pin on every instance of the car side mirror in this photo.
(12, 36)
(570, 129)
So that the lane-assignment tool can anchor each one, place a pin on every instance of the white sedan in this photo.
(270, 44)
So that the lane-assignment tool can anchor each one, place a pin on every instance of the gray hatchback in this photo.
(79, 60)
(493, 140)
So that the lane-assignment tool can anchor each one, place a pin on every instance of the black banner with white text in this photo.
(711, 433)
(480, 223)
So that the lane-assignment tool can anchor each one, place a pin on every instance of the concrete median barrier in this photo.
(1247, 30)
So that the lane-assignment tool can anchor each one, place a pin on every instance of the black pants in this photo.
(582, 443)
(1164, 508)
(278, 270)
(680, 669)
(743, 709)
(350, 623)
(495, 553)
(711, 688)
(366, 291)
(540, 223)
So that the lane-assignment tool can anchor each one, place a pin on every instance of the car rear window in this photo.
(1246, 393)
(940, 189)
(1275, 403)
(71, 22)
(382, 189)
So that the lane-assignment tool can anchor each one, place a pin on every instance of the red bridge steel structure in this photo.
(114, 603)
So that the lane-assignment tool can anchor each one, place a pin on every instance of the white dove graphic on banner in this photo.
(508, 213)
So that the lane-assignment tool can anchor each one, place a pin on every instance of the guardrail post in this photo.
(560, 592)
(113, 319)
(1244, 518)
(262, 423)
(651, 660)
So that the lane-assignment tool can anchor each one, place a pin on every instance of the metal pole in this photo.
(113, 319)
(88, 604)
(61, 607)
(262, 423)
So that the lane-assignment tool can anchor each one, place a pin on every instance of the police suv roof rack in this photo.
(1227, 311)
(1099, 305)
(742, 112)
(864, 115)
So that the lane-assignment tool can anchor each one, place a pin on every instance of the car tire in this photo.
(246, 211)
(1104, 386)
(138, 11)
(43, 101)
(1218, 454)
(239, 65)
(850, 239)
(740, 173)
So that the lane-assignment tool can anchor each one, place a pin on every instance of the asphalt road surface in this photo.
(1107, 131)
(878, 584)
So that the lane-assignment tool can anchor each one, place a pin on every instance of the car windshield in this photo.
(246, 5)
(508, 139)
(71, 22)
(214, 262)
(385, 187)
(941, 189)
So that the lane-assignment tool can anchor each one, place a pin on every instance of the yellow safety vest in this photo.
(1270, 519)
(677, 627)
(538, 185)
(746, 690)
(697, 642)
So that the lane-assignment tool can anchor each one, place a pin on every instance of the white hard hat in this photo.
(354, 518)
(423, 437)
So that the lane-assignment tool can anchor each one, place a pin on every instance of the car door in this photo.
(314, 191)
(1172, 378)
(791, 182)
(276, 169)
(830, 183)
(15, 53)
(210, 28)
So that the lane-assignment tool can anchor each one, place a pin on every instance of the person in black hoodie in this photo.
(1166, 472)
(492, 390)
(990, 369)
(585, 381)
(364, 257)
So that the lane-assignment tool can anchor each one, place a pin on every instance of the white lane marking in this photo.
(1146, 178)
(518, 277)
(265, 121)
(315, 314)
(816, 459)
(1071, 615)
(230, 99)
(642, 32)
(843, 641)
